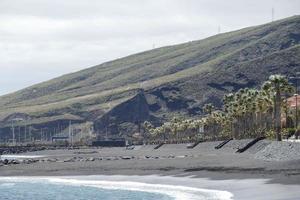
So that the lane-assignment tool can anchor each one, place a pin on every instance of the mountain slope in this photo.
(174, 79)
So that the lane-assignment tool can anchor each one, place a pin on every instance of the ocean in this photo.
(46, 191)
(60, 188)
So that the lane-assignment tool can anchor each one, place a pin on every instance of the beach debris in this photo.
(126, 157)
(86, 152)
(68, 160)
(9, 162)
(130, 148)
(5, 161)
(91, 159)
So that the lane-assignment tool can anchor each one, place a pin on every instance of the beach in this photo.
(266, 166)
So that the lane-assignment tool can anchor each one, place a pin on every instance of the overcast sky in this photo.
(42, 39)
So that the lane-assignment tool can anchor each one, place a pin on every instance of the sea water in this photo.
(46, 191)
(80, 189)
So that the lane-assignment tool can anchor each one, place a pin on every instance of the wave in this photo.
(9, 157)
(7, 184)
(176, 192)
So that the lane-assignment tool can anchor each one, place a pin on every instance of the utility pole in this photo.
(106, 127)
(296, 135)
(296, 78)
(286, 109)
(51, 134)
(139, 119)
(19, 134)
(41, 135)
(273, 13)
(25, 133)
(29, 132)
(70, 134)
(13, 129)
(297, 116)
(91, 131)
(31, 135)
(13, 133)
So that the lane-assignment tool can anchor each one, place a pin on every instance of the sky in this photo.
(43, 39)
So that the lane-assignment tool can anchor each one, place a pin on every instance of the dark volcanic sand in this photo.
(176, 160)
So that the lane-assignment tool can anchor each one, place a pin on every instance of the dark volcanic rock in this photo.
(131, 112)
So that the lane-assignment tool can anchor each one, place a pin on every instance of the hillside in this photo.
(158, 84)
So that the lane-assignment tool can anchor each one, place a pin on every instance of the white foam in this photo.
(7, 185)
(177, 192)
(2, 157)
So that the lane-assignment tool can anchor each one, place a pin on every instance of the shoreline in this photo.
(245, 189)
(174, 188)
(265, 165)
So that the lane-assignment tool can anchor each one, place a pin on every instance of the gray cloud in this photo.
(40, 40)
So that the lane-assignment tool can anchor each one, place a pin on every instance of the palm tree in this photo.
(229, 102)
(148, 127)
(210, 126)
(246, 113)
(208, 108)
(277, 84)
(166, 129)
(193, 127)
(264, 108)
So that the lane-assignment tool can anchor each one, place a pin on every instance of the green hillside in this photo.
(157, 84)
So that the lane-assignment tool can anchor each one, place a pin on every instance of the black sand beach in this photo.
(268, 170)
(277, 162)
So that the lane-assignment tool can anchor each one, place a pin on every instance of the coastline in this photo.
(177, 187)
(149, 184)
(202, 167)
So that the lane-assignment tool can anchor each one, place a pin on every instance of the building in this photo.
(293, 101)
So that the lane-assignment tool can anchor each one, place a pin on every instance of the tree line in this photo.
(246, 113)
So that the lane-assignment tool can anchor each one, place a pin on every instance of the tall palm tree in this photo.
(148, 127)
(229, 102)
(277, 84)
